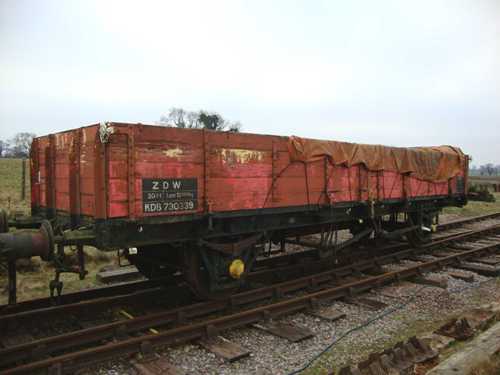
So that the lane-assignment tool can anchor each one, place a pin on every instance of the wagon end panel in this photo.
(39, 168)
(36, 203)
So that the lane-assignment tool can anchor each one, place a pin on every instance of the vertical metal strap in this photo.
(50, 181)
(325, 172)
(368, 184)
(206, 203)
(349, 185)
(273, 170)
(74, 179)
(100, 183)
(131, 171)
(307, 183)
(466, 174)
(35, 176)
(378, 184)
(405, 187)
(360, 194)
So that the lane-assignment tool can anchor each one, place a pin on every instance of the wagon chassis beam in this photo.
(233, 248)
(31, 306)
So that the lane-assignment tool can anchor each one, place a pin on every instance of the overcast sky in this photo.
(392, 72)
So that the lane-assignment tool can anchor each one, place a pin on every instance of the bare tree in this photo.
(192, 120)
(489, 169)
(4, 146)
(198, 120)
(177, 117)
(21, 144)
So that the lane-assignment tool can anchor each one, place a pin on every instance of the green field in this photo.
(486, 178)
(10, 186)
(474, 208)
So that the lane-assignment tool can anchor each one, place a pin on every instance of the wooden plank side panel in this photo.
(62, 149)
(228, 194)
(164, 153)
(344, 184)
(373, 185)
(288, 184)
(440, 188)
(316, 176)
(74, 179)
(239, 178)
(117, 176)
(392, 185)
(338, 184)
(87, 170)
(239, 171)
(419, 188)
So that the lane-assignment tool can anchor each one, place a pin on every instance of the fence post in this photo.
(23, 187)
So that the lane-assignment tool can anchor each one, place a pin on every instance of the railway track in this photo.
(207, 319)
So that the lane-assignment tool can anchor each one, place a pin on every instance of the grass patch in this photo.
(474, 208)
(408, 327)
(10, 186)
(33, 278)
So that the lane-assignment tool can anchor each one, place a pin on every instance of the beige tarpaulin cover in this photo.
(434, 164)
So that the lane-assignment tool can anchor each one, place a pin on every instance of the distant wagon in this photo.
(202, 203)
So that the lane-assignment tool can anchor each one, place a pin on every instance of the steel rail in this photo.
(80, 296)
(473, 219)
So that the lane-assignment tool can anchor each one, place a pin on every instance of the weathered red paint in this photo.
(75, 173)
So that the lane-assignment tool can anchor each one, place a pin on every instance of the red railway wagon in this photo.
(203, 202)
